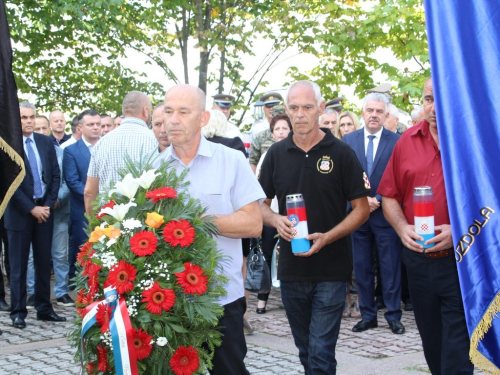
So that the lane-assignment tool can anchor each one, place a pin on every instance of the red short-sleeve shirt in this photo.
(416, 161)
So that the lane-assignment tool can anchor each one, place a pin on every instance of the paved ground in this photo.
(41, 348)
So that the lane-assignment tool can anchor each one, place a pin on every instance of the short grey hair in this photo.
(416, 111)
(27, 105)
(376, 97)
(217, 125)
(329, 111)
(314, 86)
(393, 110)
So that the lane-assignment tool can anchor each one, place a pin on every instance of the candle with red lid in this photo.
(423, 206)
(296, 212)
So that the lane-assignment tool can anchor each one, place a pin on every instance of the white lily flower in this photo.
(147, 178)
(119, 211)
(126, 187)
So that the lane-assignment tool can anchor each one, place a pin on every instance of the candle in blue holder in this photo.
(296, 212)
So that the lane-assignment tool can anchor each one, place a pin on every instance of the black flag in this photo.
(11, 139)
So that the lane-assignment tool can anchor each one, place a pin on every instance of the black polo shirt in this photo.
(63, 139)
(328, 176)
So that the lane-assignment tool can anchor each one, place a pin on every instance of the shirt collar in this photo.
(32, 137)
(421, 127)
(377, 134)
(86, 143)
(133, 120)
(325, 141)
(204, 149)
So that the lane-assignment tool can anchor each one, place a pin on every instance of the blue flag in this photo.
(464, 47)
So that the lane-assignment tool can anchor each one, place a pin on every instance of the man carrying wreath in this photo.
(223, 181)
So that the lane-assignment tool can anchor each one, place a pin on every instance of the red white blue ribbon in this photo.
(120, 328)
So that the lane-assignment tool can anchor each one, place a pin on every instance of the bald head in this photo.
(194, 93)
(137, 104)
(57, 123)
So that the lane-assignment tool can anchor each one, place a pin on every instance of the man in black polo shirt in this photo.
(328, 175)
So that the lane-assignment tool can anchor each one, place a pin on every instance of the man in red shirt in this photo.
(432, 273)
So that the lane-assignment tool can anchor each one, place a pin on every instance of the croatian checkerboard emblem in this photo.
(325, 165)
(367, 181)
(424, 227)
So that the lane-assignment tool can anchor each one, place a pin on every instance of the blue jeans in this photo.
(314, 311)
(59, 254)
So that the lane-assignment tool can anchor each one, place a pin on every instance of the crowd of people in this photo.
(356, 177)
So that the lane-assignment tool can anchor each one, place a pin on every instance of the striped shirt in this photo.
(132, 138)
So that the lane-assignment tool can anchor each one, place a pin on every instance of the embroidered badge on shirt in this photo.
(325, 165)
(367, 181)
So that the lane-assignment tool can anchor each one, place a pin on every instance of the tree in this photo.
(73, 54)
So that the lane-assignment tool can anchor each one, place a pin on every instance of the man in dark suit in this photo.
(29, 220)
(373, 146)
(76, 162)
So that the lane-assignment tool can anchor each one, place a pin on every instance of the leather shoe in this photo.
(19, 323)
(408, 306)
(379, 302)
(397, 327)
(4, 306)
(50, 317)
(365, 324)
(260, 310)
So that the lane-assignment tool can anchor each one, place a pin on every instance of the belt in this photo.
(37, 201)
(438, 254)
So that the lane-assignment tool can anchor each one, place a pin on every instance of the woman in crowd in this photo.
(348, 122)
(280, 127)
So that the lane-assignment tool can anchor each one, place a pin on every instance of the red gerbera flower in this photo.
(85, 254)
(179, 233)
(185, 361)
(102, 359)
(161, 193)
(103, 316)
(121, 277)
(82, 301)
(143, 243)
(158, 299)
(142, 344)
(110, 204)
(192, 279)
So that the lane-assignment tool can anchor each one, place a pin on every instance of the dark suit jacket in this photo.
(19, 207)
(386, 144)
(235, 143)
(75, 167)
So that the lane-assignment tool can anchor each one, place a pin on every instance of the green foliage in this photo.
(193, 318)
(75, 54)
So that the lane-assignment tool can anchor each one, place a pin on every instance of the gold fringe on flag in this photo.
(16, 158)
(482, 328)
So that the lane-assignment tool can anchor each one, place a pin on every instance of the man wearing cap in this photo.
(223, 103)
(262, 138)
(269, 100)
(336, 104)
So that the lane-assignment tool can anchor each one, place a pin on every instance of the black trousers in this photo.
(268, 242)
(229, 357)
(4, 252)
(40, 236)
(439, 312)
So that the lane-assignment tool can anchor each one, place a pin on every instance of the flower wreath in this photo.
(147, 276)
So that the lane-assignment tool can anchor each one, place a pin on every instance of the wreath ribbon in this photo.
(120, 328)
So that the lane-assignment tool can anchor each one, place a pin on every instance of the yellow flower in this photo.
(112, 232)
(96, 234)
(154, 220)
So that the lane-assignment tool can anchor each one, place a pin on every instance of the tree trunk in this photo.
(203, 21)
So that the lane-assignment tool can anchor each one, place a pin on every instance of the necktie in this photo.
(369, 155)
(34, 169)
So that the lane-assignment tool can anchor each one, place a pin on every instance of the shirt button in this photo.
(432, 174)
(307, 156)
